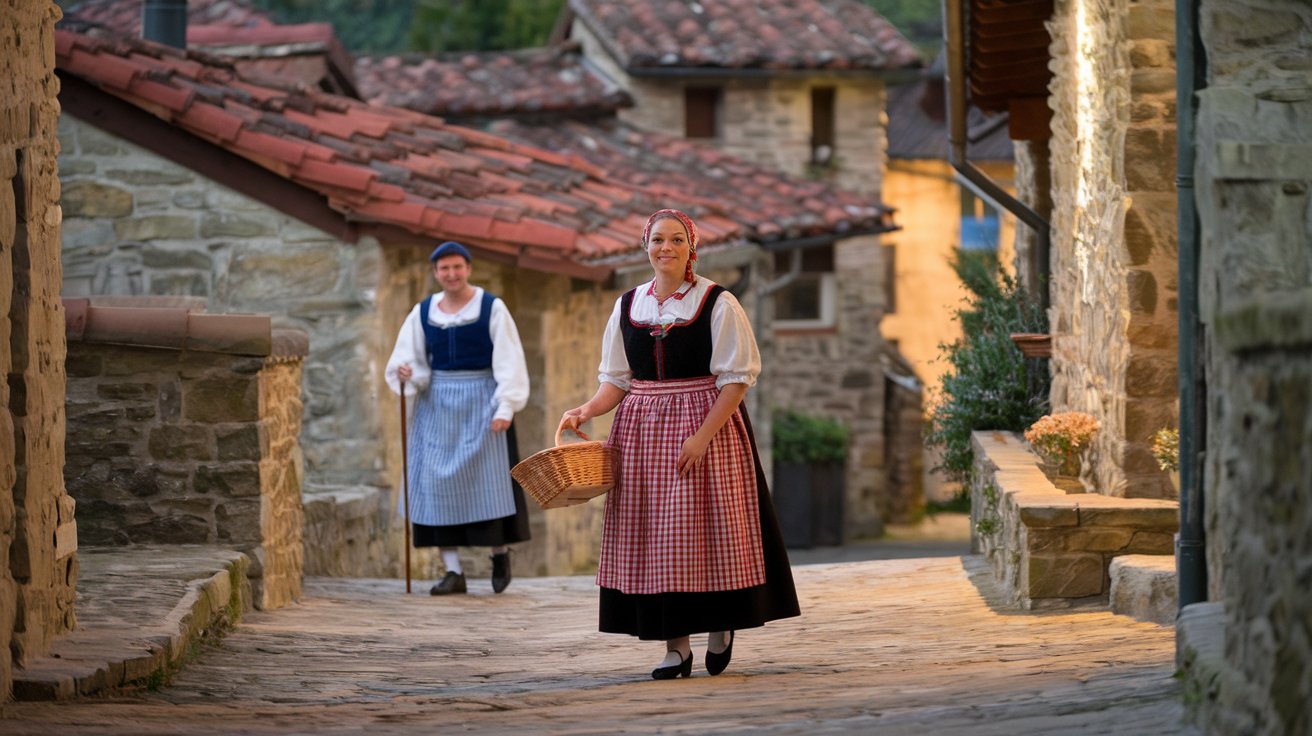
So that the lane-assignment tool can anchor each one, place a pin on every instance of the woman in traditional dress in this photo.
(460, 354)
(690, 542)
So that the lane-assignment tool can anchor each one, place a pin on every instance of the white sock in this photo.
(451, 558)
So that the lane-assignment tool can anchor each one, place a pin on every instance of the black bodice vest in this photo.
(683, 350)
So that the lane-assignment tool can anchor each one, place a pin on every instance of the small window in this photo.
(890, 278)
(822, 125)
(701, 106)
(808, 302)
(980, 229)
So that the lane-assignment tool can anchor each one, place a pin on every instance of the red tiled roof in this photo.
(773, 206)
(489, 83)
(306, 52)
(743, 34)
(124, 16)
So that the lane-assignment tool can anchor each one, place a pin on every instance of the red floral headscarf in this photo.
(688, 225)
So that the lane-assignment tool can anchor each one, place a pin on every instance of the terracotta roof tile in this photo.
(547, 194)
(491, 83)
(742, 34)
(124, 16)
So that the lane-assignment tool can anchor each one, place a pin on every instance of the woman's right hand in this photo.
(573, 419)
(404, 372)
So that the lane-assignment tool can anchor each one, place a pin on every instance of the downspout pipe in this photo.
(1190, 544)
(978, 181)
(165, 21)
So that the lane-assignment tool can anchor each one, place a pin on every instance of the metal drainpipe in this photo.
(978, 181)
(165, 21)
(1190, 547)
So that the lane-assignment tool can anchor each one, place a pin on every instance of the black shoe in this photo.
(682, 669)
(452, 582)
(500, 571)
(715, 663)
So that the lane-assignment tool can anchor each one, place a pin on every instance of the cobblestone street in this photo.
(909, 646)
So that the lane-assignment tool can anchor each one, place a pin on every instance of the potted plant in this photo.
(1060, 439)
(809, 457)
(1166, 449)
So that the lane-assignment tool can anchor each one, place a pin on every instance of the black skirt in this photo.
(664, 616)
(489, 533)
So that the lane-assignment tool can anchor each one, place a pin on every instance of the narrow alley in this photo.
(908, 646)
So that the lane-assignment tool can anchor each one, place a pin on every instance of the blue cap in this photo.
(450, 248)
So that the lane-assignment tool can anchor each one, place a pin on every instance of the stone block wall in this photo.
(840, 373)
(1048, 548)
(192, 443)
(38, 536)
(138, 224)
(1113, 231)
(1254, 191)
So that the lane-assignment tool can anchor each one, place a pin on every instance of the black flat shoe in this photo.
(500, 571)
(452, 582)
(715, 663)
(682, 669)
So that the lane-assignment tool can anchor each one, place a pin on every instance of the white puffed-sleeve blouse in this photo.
(734, 356)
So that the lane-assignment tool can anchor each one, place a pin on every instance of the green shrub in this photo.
(805, 439)
(989, 384)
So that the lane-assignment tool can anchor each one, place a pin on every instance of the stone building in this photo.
(939, 217)
(798, 87)
(1245, 653)
(321, 211)
(38, 535)
(1128, 251)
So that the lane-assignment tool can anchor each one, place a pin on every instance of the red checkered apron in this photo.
(664, 532)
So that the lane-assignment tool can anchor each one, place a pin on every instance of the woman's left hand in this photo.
(692, 452)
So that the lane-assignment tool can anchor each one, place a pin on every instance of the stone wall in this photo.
(1113, 237)
(137, 224)
(1254, 190)
(1047, 547)
(38, 537)
(767, 120)
(840, 373)
(188, 445)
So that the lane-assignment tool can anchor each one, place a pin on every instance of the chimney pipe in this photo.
(165, 21)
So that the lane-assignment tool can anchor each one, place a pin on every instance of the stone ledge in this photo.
(179, 326)
(1049, 548)
(140, 611)
(1143, 587)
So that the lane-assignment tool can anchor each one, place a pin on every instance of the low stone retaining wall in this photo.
(183, 428)
(1049, 548)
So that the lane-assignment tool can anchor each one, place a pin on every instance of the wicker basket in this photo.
(566, 475)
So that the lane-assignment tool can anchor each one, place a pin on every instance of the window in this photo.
(701, 112)
(979, 223)
(807, 302)
(822, 125)
(890, 278)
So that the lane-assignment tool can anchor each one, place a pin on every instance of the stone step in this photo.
(1143, 587)
(140, 612)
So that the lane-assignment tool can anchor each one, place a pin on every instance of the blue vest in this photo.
(462, 348)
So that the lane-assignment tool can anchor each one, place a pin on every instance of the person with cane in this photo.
(459, 354)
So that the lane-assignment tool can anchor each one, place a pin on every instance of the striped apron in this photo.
(457, 463)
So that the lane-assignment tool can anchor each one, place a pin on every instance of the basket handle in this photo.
(562, 428)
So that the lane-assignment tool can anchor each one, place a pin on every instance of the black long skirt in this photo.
(664, 616)
(489, 533)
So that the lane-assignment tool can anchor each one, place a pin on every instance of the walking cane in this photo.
(405, 479)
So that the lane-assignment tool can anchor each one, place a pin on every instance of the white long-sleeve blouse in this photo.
(508, 365)
(734, 355)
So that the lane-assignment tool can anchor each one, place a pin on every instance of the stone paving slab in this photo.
(914, 646)
(139, 610)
